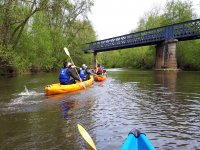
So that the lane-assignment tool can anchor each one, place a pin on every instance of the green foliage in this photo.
(141, 57)
(33, 35)
(110, 59)
(10, 57)
(178, 11)
(151, 19)
(188, 54)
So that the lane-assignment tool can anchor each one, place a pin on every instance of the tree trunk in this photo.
(4, 32)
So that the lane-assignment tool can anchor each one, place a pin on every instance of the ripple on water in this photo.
(108, 111)
(159, 112)
(25, 98)
(22, 102)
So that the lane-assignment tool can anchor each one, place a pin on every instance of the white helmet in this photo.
(84, 66)
(69, 64)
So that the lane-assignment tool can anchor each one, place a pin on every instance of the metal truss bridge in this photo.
(181, 31)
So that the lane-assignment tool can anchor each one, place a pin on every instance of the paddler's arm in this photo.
(73, 76)
(88, 71)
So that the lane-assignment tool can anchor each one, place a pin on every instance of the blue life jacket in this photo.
(63, 77)
(82, 74)
(102, 67)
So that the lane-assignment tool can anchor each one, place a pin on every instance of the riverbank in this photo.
(9, 71)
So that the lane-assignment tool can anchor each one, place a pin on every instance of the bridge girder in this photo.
(188, 30)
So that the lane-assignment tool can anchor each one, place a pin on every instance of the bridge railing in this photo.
(187, 30)
(181, 31)
(129, 40)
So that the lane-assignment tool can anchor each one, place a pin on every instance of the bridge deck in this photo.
(181, 31)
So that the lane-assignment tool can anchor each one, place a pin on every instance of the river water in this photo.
(164, 105)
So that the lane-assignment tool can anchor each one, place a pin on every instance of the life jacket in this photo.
(102, 67)
(99, 70)
(82, 74)
(63, 77)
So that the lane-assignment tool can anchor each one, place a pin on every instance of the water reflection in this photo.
(165, 105)
(167, 79)
(64, 108)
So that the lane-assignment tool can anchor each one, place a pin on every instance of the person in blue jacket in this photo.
(84, 73)
(66, 75)
(102, 67)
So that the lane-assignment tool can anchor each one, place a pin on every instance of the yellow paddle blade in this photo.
(86, 136)
(66, 51)
(83, 85)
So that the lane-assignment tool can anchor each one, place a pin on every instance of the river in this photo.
(165, 105)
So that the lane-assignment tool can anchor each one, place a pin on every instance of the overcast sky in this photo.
(112, 18)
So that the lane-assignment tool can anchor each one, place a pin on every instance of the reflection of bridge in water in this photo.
(167, 79)
(165, 38)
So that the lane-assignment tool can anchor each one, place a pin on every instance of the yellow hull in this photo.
(58, 89)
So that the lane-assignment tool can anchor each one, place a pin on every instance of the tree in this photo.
(33, 33)
(16, 14)
(178, 11)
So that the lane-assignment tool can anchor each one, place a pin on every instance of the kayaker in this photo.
(99, 70)
(104, 70)
(102, 67)
(84, 73)
(66, 75)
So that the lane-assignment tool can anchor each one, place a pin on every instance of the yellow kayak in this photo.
(58, 88)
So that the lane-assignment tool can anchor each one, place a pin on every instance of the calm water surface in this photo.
(164, 105)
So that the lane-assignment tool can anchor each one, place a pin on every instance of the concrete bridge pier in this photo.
(94, 61)
(166, 55)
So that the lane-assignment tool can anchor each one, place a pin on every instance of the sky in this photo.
(112, 18)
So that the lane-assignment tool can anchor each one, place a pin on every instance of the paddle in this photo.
(67, 52)
(86, 137)
(96, 66)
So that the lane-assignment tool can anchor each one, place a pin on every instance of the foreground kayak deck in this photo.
(58, 88)
(137, 141)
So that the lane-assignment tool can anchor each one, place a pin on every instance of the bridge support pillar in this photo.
(94, 61)
(166, 55)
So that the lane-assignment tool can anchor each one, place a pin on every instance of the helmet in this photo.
(84, 66)
(69, 64)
